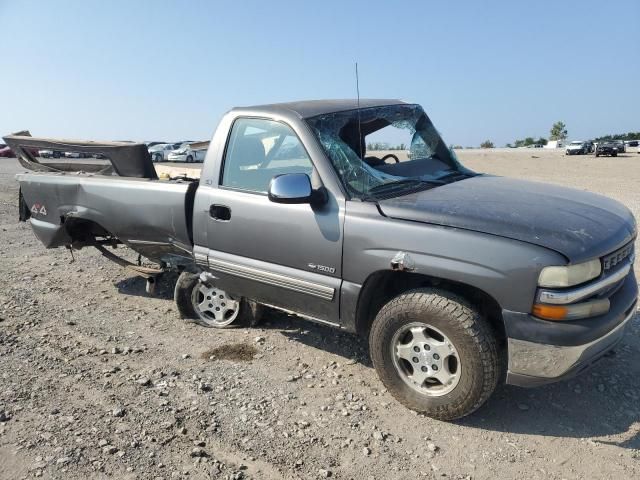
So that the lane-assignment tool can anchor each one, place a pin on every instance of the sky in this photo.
(168, 70)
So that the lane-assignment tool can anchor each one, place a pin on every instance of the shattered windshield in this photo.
(386, 151)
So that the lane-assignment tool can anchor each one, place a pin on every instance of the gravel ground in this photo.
(99, 380)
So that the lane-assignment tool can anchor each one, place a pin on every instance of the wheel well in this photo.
(382, 286)
(83, 232)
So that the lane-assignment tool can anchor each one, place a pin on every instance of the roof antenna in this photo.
(359, 123)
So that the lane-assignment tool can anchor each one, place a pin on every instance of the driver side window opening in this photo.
(380, 140)
(258, 150)
(391, 141)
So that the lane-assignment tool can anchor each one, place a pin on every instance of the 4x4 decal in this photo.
(38, 209)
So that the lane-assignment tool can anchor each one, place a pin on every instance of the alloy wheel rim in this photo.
(426, 359)
(214, 306)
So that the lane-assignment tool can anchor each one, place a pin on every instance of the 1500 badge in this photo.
(38, 209)
(321, 268)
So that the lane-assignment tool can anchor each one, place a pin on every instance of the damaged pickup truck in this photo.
(460, 280)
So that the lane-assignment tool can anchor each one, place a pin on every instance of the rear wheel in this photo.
(208, 305)
(189, 159)
(214, 307)
(157, 157)
(435, 353)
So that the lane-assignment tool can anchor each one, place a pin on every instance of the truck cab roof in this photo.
(313, 108)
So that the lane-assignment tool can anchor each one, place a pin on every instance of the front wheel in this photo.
(435, 353)
(189, 159)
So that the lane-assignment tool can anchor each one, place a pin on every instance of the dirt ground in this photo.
(100, 380)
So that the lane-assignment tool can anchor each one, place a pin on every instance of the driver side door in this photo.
(285, 255)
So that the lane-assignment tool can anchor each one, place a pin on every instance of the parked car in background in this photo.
(160, 152)
(50, 153)
(607, 148)
(189, 152)
(622, 147)
(632, 143)
(577, 147)
(76, 155)
(5, 151)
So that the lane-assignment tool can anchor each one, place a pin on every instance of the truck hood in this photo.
(579, 225)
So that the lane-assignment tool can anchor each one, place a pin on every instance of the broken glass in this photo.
(364, 171)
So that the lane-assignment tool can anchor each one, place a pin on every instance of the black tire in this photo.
(597, 154)
(464, 327)
(157, 157)
(614, 154)
(182, 295)
(250, 314)
(189, 159)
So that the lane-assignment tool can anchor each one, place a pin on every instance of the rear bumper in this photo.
(541, 352)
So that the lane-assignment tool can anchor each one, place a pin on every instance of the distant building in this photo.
(554, 144)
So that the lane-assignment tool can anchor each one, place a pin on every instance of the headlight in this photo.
(569, 275)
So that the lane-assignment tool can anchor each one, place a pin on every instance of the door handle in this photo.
(220, 212)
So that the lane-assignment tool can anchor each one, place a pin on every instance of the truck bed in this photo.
(152, 217)
(118, 198)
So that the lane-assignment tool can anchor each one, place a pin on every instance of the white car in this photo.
(189, 153)
(577, 147)
(76, 155)
(160, 152)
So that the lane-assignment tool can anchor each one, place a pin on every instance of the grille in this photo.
(615, 258)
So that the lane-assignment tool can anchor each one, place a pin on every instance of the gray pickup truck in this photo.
(459, 279)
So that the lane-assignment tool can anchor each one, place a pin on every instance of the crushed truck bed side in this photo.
(149, 216)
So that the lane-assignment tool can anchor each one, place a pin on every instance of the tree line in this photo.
(619, 136)
(385, 146)
(558, 132)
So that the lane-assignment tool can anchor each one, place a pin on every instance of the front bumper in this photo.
(542, 352)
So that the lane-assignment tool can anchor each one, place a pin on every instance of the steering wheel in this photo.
(390, 155)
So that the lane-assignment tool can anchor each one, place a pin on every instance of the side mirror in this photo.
(291, 188)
